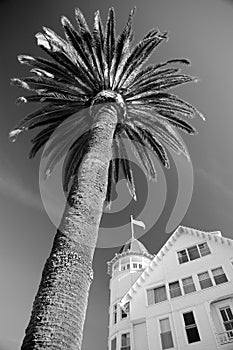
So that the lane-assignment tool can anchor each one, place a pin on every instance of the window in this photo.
(182, 256)
(123, 314)
(166, 334)
(140, 266)
(175, 290)
(114, 313)
(135, 265)
(113, 344)
(125, 341)
(204, 249)
(125, 311)
(188, 285)
(124, 263)
(194, 252)
(205, 280)
(227, 318)
(191, 327)
(219, 275)
(156, 295)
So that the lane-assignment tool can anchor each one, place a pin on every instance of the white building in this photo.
(180, 298)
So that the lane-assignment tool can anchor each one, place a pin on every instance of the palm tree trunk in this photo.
(59, 309)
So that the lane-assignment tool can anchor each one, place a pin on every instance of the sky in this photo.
(200, 30)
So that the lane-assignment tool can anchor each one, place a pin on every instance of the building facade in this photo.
(181, 298)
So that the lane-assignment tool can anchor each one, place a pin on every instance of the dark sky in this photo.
(201, 30)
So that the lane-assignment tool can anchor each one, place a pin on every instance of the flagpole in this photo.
(132, 231)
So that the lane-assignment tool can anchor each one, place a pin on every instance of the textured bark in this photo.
(59, 309)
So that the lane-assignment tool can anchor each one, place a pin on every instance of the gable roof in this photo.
(214, 236)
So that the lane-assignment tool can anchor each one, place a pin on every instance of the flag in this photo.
(137, 222)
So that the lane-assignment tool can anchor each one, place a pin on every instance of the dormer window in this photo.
(194, 252)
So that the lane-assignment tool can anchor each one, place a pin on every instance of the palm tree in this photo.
(93, 70)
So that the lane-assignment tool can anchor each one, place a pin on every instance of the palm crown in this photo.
(91, 68)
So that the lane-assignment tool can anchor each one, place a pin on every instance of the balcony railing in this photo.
(225, 337)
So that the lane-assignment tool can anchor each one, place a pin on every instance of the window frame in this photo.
(183, 287)
(183, 312)
(210, 278)
(224, 273)
(210, 273)
(160, 318)
(153, 288)
(114, 338)
(187, 253)
(114, 313)
(205, 242)
(125, 313)
(229, 321)
(126, 347)
(181, 291)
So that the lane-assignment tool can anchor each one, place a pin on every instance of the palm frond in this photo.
(164, 83)
(55, 98)
(88, 44)
(81, 52)
(122, 46)
(98, 42)
(41, 139)
(178, 122)
(69, 129)
(109, 40)
(141, 149)
(57, 70)
(142, 84)
(57, 151)
(45, 114)
(74, 158)
(162, 130)
(137, 77)
(43, 41)
(42, 84)
(155, 145)
(140, 55)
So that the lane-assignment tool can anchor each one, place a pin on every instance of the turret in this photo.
(124, 269)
